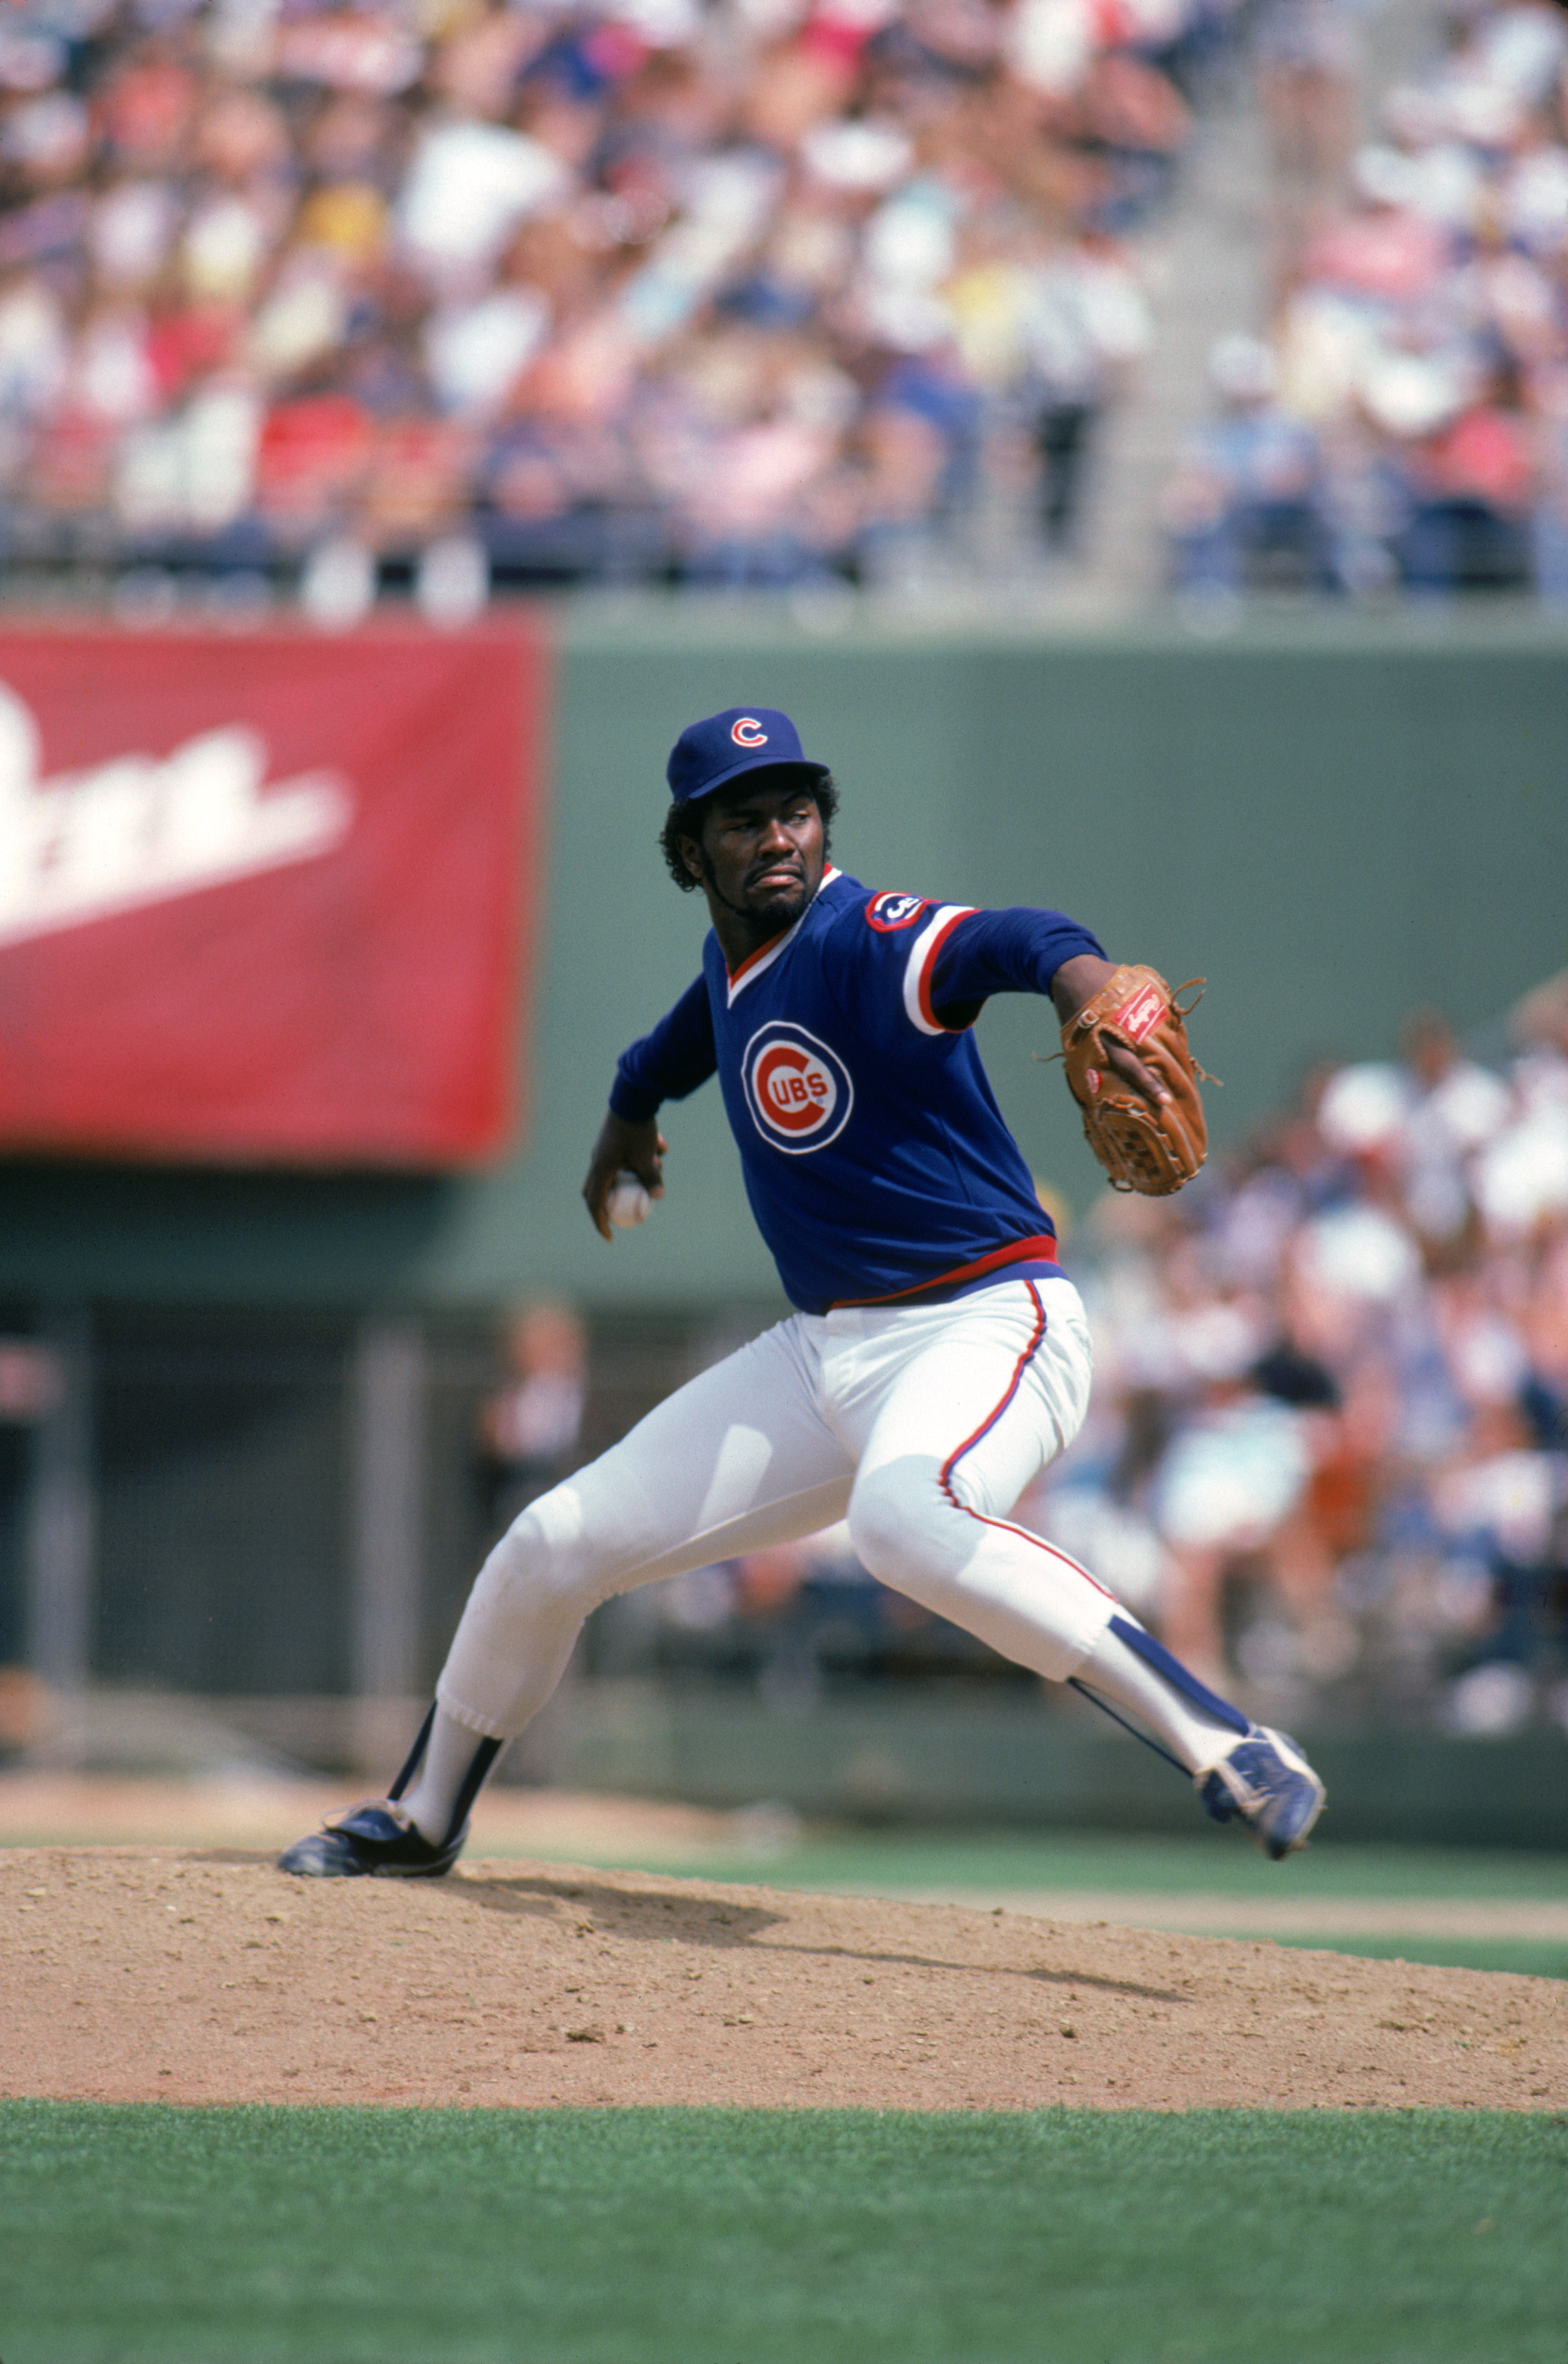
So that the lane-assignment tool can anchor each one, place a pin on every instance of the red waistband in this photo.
(1042, 1249)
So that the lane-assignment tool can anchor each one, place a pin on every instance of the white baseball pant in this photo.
(922, 1425)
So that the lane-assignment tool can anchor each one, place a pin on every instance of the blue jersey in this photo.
(876, 1160)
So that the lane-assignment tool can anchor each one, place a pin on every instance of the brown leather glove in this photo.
(1144, 1146)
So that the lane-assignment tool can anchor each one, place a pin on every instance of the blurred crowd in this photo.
(1326, 1457)
(721, 291)
(1403, 423)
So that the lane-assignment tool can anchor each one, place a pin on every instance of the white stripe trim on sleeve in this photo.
(922, 959)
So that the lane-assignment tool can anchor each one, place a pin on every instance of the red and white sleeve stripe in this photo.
(922, 962)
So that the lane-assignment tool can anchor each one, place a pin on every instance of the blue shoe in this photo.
(374, 1841)
(1267, 1780)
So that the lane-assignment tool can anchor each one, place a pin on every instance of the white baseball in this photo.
(628, 1202)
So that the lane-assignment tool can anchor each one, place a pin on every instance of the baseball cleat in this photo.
(1267, 1780)
(373, 1841)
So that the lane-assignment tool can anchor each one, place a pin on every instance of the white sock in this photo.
(1115, 1669)
(430, 1799)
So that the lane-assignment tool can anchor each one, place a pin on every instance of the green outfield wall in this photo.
(1333, 819)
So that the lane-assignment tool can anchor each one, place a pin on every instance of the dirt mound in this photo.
(204, 1976)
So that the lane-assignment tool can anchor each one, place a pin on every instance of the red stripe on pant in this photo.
(989, 1423)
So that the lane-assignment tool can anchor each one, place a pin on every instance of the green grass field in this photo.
(344, 2236)
(1211, 1862)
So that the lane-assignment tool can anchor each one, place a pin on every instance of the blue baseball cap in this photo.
(741, 739)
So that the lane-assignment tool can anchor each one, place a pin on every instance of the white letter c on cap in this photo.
(746, 732)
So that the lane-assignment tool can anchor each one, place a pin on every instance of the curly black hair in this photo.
(682, 824)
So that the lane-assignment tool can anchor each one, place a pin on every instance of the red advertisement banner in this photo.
(264, 898)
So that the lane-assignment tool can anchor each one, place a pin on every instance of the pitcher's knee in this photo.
(537, 1564)
(896, 1519)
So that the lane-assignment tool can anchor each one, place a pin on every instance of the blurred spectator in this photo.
(530, 1426)
(731, 291)
(1085, 324)
(1471, 486)
(1421, 334)
(1245, 505)
(1307, 52)
(1507, 1502)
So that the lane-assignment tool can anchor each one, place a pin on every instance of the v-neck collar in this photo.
(766, 954)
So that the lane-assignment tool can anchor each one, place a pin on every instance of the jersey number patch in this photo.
(798, 1090)
(888, 912)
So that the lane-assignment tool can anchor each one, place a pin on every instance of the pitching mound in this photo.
(136, 1974)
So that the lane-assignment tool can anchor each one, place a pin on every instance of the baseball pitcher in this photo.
(937, 1357)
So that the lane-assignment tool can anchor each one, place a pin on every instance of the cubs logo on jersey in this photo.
(886, 912)
(798, 1091)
